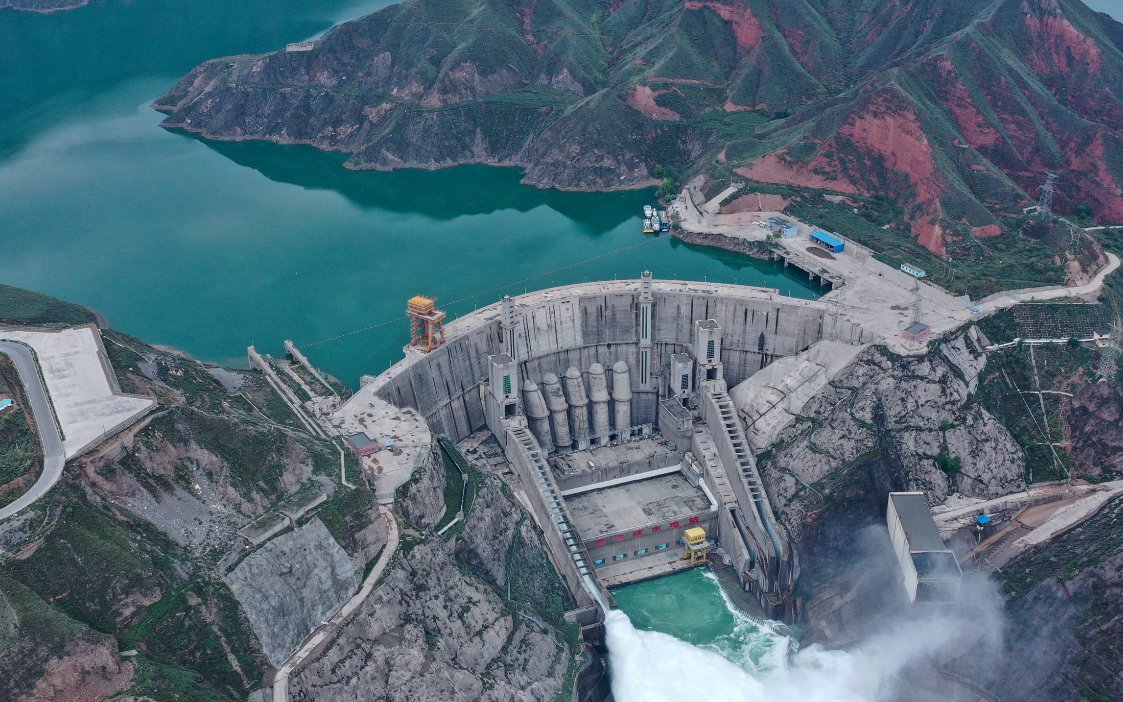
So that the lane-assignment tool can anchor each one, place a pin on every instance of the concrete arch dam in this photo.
(611, 403)
(551, 330)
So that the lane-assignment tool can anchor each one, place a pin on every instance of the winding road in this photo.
(49, 438)
(325, 632)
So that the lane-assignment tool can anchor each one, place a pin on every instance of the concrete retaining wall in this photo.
(629, 542)
(602, 474)
(526, 465)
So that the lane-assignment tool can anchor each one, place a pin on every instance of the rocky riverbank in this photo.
(756, 249)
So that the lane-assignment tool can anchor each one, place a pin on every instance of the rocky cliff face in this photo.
(952, 109)
(891, 423)
(477, 617)
(1095, 434)
(290, 585)
(1066, 625)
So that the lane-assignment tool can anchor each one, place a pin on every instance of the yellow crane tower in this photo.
(426, 330)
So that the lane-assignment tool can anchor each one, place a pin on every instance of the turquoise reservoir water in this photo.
(692, 607)
(680, 638)
(209, 247)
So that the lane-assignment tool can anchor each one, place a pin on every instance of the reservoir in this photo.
(208, 247)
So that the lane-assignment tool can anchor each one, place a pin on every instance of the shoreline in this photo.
(78, 4)
(754, 249)
(648, 183)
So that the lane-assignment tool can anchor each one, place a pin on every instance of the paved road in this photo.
(281, 679)
(53, 457)
(1012, 297)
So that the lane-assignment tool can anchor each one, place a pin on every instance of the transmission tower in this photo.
(916, 301)
(1045, 202)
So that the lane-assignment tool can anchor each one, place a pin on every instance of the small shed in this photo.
(917, 331)
(1102, 336)
(363, 445)
(828, 241)
(914, 271)
(929, 569)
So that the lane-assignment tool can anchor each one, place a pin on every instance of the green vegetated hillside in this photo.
(23, 307)
(189, 556)
(20, 455)
(949, 112)
(113, 583)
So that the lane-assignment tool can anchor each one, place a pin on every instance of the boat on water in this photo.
(664, 221)
(647, 227)
(656, 222)
(648, 210)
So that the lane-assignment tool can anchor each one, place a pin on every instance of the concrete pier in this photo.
(598, 395)
(622, 398)
(559, 410)
(578, 407)
(539, 415)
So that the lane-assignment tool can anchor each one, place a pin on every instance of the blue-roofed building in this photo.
(784, 227)
(828, 241)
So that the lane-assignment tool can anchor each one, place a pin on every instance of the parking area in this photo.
(80, 383)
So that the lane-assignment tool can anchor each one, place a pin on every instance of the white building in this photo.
(930, 570)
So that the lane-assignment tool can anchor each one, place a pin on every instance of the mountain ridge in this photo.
(954, 111)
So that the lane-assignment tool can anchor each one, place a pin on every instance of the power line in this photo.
(498, 288)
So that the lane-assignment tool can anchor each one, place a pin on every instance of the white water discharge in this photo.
(649, 666)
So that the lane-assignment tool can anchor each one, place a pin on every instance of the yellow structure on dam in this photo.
(696, 545)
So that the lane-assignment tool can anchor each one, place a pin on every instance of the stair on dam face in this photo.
(552, 496)
(735, 434)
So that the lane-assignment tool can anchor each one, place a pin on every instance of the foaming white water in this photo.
(655, 667)
(648, 666)
(757, 645)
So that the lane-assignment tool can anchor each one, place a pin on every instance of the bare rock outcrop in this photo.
(1094, 428)
(912, 421)
(291, 584)
(472, 619)
(87, 672)
(421, 500)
